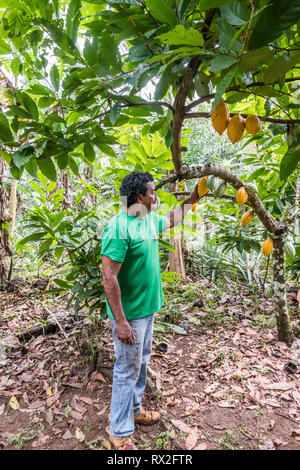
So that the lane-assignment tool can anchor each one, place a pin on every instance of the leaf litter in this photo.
(213, 381)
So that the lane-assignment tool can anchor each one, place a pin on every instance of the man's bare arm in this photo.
(176, 217)
(110, 270)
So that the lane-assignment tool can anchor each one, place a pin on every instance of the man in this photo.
(132, 284)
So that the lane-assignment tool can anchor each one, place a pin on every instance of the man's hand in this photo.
(124, 332)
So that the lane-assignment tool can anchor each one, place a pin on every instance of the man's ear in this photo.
(140, 199)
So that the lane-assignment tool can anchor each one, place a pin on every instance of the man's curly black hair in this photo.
(133, 185)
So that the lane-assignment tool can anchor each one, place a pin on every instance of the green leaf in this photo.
(223, 86)
(280, 67)
(47, 167)
(34, 237)
(23, 155)
(30, 106)
(89, 152)
(235, 13)
(58, 253)
(169, 138)
(274, 21)
(221, 62)
(252, 59)
(54, 77)
(162, 11)
(15, 66)
(115, 112)
(5, 132)
(31, 167)
(181, 36)
(15, 171)
(4, 48)
(166, 245)
(73, 165)
(206, 4)
(290, 160)
(162, 86)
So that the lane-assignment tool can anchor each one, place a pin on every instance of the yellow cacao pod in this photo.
(267, 246)
(247, 218)
(252, 124)
(235, 128)
(220, 117)
(194, 207)
(241, 196)
(202, 186)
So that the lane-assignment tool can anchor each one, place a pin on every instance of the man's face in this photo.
(150, 197)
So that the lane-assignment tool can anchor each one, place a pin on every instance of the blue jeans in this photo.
(130, 374)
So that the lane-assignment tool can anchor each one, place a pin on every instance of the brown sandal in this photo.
(147, 417)
(123, 443)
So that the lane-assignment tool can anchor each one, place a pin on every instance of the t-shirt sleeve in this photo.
(159, 222)
(113, 245)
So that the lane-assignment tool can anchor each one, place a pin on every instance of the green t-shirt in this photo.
(133, 241)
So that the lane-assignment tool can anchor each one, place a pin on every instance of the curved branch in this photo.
(204, 99)
(262, 118)
(269, 222)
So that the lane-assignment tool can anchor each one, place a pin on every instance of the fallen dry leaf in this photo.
(2, 407)
(279, 386)
(202, 446)
(171, 401)
(191, 411)
(101, 412)
(36, 404)
(40, 441)
(67, 435)
(49, 417)
(13, 403)
(86, 400)
(192, 439)
(76, 415)
(181, 426)
(79, 435)
(98, 376)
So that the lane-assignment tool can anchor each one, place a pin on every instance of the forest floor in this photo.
(225, 384)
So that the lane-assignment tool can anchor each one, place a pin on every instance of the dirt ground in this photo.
(219, 386)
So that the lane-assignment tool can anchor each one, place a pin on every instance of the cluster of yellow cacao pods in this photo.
(235, 126)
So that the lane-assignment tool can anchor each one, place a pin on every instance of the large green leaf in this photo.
(235, 13)
(4, 47)
(5, 132)
(162, 11)
(274, 21)
(30, 106)
(182, 36)
(222, 62)
(290, 160)
(23, 155)
(206, 4)
(54, 77)
(251, 60)
(280, 67)
(224, 84)
(47, 167)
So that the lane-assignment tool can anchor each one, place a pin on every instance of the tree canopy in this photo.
(82, 70)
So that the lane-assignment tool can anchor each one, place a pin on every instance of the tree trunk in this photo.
(176, 259)
(5, 250)
(283, 320)
(297, 197)
(13, 206)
